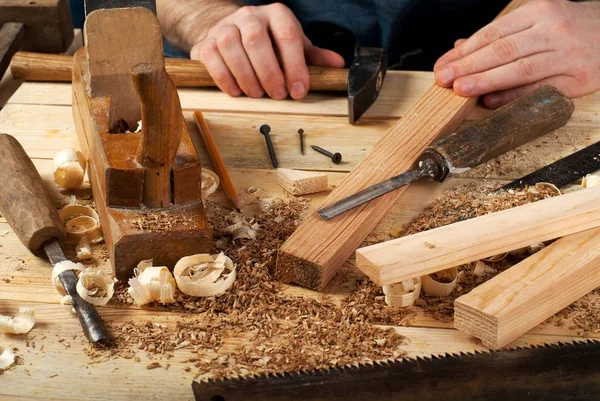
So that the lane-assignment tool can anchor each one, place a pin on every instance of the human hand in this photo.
(261, 49)
(554, 42)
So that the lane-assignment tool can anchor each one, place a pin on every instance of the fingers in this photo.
(258, 47)
(500, 98)
(509, 24)
(207, 51)
(517, 73)
(229, 42)
(288, 36)
(503, 51)
(321, 57)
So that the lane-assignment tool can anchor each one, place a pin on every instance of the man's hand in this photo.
(553, 42)
(261, 49)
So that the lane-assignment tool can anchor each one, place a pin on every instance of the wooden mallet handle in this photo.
(24, 199)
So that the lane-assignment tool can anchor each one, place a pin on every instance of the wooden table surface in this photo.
(39, 115)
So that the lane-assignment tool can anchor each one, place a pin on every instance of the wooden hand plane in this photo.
(146, 184)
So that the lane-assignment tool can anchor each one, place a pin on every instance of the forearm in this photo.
(185, 22)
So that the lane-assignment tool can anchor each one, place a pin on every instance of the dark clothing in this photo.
(415, 33)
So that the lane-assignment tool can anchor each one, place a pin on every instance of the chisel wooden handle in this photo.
(24, 199)
(507, 128)
(184, 73)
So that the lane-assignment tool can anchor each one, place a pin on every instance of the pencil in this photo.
(216, 159)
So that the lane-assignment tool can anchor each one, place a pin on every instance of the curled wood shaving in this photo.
(590, 180)
(210, 182)
(403, 294)
(204, 275)
(481, 269)
(61, 267)
(151, 283)
(84, 250)
(69, 168)
(440, 284)
(242, 230)
(81, 221)
(23, 322)
(95, 286)
(7, 358)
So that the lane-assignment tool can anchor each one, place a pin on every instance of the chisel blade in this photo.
(427, 168)
(92, 5)
(564, 171)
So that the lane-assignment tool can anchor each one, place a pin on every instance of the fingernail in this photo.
(465, 85)
(279, 93)
(493, 100)
(445, 76)
(298, 90)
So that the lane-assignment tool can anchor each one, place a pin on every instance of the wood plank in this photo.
(503, 308)
(480, 237)
(299, 182)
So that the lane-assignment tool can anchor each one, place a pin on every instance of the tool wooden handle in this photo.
(509, 127)
(24, 199)
(184, 73)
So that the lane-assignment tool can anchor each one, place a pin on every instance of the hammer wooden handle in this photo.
(184, 73)
(24, 200)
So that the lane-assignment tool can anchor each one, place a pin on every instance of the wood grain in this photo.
(11, 36)
(298, 182)
(480, 237)
(505, 307)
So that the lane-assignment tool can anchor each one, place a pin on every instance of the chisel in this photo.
(28, 209)
(524, 119)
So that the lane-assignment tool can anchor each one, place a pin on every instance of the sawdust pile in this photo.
(582, 315)
(160, 221)
(257, 326)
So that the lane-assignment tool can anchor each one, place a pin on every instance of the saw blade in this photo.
(92, 5)
(549, 372)
(564, 171)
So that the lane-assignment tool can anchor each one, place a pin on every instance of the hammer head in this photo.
(365, 80)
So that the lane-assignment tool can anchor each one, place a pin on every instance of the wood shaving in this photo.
(95, 286)
(81, 221)
(210, 182)
(7, 359)
(204, 275)
(22, 323)
(69, 168)
(151, 283)
(160, 221)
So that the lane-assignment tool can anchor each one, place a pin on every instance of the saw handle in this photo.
(24, 200)
(529, 117)
(184, 73)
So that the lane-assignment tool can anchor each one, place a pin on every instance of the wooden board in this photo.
(35, 116)
(480, 237)
(505, 307)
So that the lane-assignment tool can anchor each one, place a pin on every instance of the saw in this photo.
(549, 372)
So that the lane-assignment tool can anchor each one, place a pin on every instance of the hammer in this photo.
(363, 80)
(38, 26)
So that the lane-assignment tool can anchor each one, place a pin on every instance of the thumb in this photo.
(321, 57)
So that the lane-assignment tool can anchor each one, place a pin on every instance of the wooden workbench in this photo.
(39, 115)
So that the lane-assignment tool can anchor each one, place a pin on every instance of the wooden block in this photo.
(507, 306)
(480, 237)
(48, 23)
(298, 182)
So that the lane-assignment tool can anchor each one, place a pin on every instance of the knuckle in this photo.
(227, 37)
(289, 34)
(254, 34)
(545, 6)
(562, 27)
(246, 11)
(209, 49)
(504, 49)
(490, 34)
(526, 67)
(278, 8)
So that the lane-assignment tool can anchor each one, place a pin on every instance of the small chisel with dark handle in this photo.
(28, 209)
(533, 115)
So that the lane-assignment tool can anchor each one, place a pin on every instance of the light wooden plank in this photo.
(480, 237)
(503, 308)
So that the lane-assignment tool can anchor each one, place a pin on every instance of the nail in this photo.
(465, 85)
(446, 76)
(298, 90)
(279, 94)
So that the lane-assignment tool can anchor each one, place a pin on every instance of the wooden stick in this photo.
(507, 306)
(216, 159)
(184, 73)
(480, 237)
(317, 249)
(299, 182)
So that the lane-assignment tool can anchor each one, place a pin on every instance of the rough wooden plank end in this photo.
(299, 182)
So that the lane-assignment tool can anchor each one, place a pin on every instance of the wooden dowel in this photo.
(216, 159)
(480, 237)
